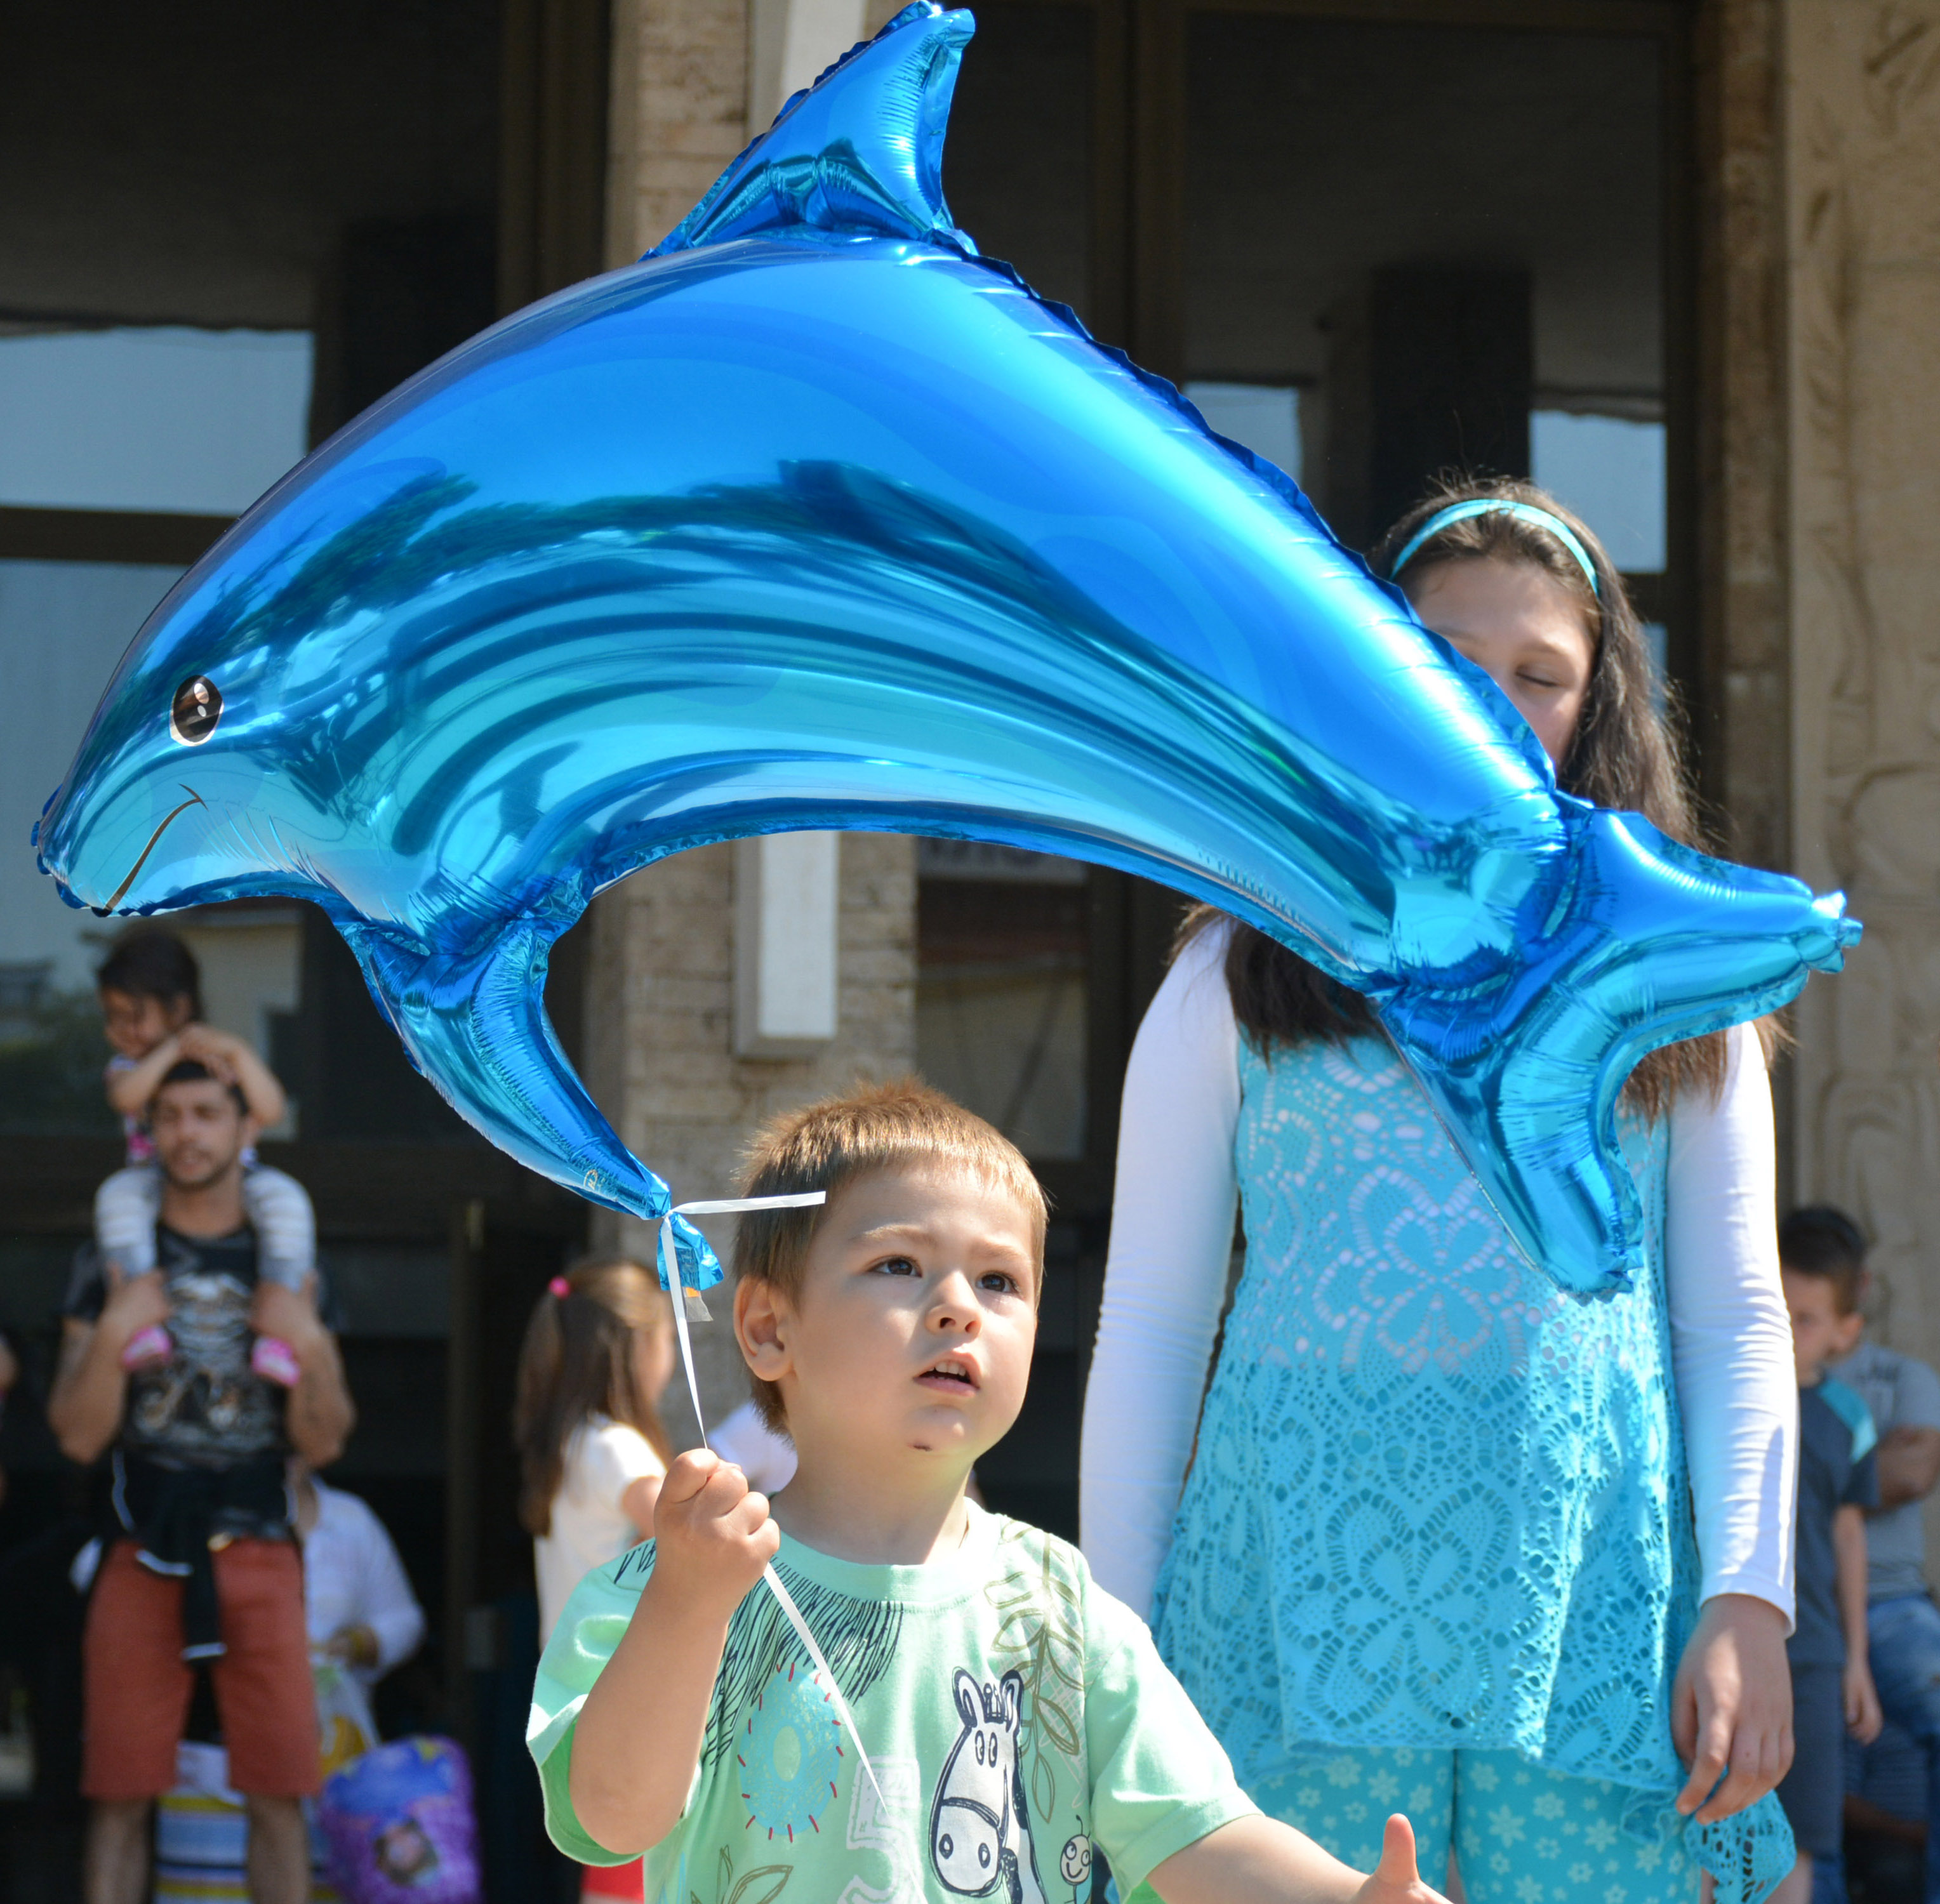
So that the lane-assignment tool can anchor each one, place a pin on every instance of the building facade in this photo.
(1679, 259)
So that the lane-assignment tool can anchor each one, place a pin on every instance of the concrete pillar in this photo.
(1862, 152)
(1744, 744)
(789, 43)
(661, 1035)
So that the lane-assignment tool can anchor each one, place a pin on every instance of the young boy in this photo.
(1012, 1712)
(1831, 1687)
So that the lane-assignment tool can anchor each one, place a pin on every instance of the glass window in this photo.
(63, 626)
(1610, 471)
(1018, 163)
(197, 422)
(1265, 417)
(1432, 231)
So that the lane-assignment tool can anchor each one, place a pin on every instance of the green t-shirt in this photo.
(1012, 1709)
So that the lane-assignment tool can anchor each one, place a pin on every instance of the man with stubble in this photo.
(203, 1568)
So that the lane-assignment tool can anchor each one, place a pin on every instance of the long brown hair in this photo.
(577, 1361)
(1626, 754)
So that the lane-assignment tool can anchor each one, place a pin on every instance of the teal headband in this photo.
(1525, 512)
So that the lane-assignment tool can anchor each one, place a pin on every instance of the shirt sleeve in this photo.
(767, 1459)
(1916, 1395)
(1160, 1780)
(1730, 1335)
(589, 1631)
(386, 1602)
(616, 1456)
(1165, 1279)
(1861, 1488)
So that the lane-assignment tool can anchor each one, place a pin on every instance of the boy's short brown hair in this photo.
(1825, 1243)
(830, 1144)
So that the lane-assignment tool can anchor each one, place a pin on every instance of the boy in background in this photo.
(1831, 1685)
(1903, 1397)
(1012, 1712)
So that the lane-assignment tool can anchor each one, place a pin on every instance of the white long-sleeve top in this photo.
(353, 1577)
(1171, 1234)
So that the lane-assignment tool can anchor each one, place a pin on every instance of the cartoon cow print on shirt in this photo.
(980, 1839)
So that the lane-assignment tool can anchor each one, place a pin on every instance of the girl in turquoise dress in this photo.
(1453, 1539)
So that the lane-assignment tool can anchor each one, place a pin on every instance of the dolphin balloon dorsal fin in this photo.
(860, 153)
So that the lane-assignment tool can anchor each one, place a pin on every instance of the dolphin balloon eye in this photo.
(195, 710)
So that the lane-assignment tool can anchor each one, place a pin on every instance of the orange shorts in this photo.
(138, 1686)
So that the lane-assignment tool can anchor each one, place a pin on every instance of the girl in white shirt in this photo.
(597, 1356)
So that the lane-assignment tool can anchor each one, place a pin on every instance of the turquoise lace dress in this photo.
(1437, 1503)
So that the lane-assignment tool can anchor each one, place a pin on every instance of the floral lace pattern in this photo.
(1437, 1502)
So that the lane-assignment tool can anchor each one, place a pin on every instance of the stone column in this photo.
(1743, 745)
(1862, 138)
(659, 1036)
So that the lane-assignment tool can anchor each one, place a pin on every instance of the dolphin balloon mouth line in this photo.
(194, 800)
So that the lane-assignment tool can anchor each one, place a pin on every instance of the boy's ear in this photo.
(761, 1318)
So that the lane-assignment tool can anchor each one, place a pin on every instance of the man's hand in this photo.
(288, 1313)
(1395, 1879)
(1863, 1716)
(352, 1646)
(320, 1415)
(134, 1303)
(713, 1534)
(1731, 1709)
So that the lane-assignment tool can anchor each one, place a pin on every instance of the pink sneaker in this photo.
(274, 1360)
(147, 1346)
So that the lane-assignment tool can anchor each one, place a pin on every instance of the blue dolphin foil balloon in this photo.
(815, 519)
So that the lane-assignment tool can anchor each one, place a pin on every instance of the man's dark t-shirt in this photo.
(204, 1407)
(1836, 1468)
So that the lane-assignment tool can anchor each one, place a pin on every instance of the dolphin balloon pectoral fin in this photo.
(860, 152)
(476, 1026)
(1652, 938)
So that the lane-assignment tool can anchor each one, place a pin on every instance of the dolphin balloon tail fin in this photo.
(860, 152)
(476, 1026)
(1654, 942)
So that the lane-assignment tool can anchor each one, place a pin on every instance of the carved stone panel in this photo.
(1862, 184)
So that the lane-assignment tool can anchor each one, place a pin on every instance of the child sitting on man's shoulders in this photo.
(1012, 1711)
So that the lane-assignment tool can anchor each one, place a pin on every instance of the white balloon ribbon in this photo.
(670, 1276)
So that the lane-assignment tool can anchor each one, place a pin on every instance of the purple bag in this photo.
(399, 1824)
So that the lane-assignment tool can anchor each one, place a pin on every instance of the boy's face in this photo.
(136, 1023)
(911, 1336)
(1819, 1333)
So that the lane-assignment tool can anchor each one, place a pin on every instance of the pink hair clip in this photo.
(559, 1286)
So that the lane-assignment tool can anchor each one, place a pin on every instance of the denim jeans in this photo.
(1903, 1642)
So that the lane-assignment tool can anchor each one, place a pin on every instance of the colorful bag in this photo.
(400, 1826)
